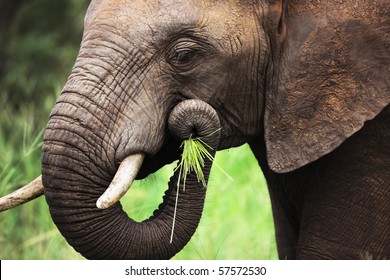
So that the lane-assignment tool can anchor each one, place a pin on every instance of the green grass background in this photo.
(36, 55)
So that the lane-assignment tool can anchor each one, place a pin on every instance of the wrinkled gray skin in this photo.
(304, 82)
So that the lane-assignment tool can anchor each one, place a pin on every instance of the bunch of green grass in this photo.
(195, 153)
(192, 160)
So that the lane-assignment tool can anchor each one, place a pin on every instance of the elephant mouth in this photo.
(169, 152)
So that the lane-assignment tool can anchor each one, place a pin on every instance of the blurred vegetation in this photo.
(39, 41)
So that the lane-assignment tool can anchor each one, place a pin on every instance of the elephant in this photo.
(304, 83)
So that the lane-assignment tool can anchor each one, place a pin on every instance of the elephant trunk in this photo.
(71, 192)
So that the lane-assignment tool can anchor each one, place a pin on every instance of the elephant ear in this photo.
(331, 74)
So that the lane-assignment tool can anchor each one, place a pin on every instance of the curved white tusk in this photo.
(124, 177)
(22, 195)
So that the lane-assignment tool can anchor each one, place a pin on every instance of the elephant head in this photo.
(148, 74)
(152, 73)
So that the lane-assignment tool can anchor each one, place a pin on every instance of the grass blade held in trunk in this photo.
(195, 152)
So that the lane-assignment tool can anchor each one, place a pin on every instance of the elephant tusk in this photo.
(123, 179)
(22, 195)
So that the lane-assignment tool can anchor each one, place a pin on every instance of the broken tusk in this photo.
(22, 195)
(124, 177)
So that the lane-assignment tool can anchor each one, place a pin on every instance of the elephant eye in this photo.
(184, 58)
(185, 55)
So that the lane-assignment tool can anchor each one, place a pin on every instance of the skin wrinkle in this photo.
(86, 122)
(90, 237)
(107, 140)
(100, 58)
(106, 42)
(82, 71)
(110, 223)
(100, 173)
(61, 117)
(84, 217)
(117, 83)
(76, 92)
(74, 179)
(253, 75)
(259, 40)
(66, 129)
(100, 176)
(86, 126)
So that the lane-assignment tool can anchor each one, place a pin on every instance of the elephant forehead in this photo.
(142, 17)
(158, 19)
